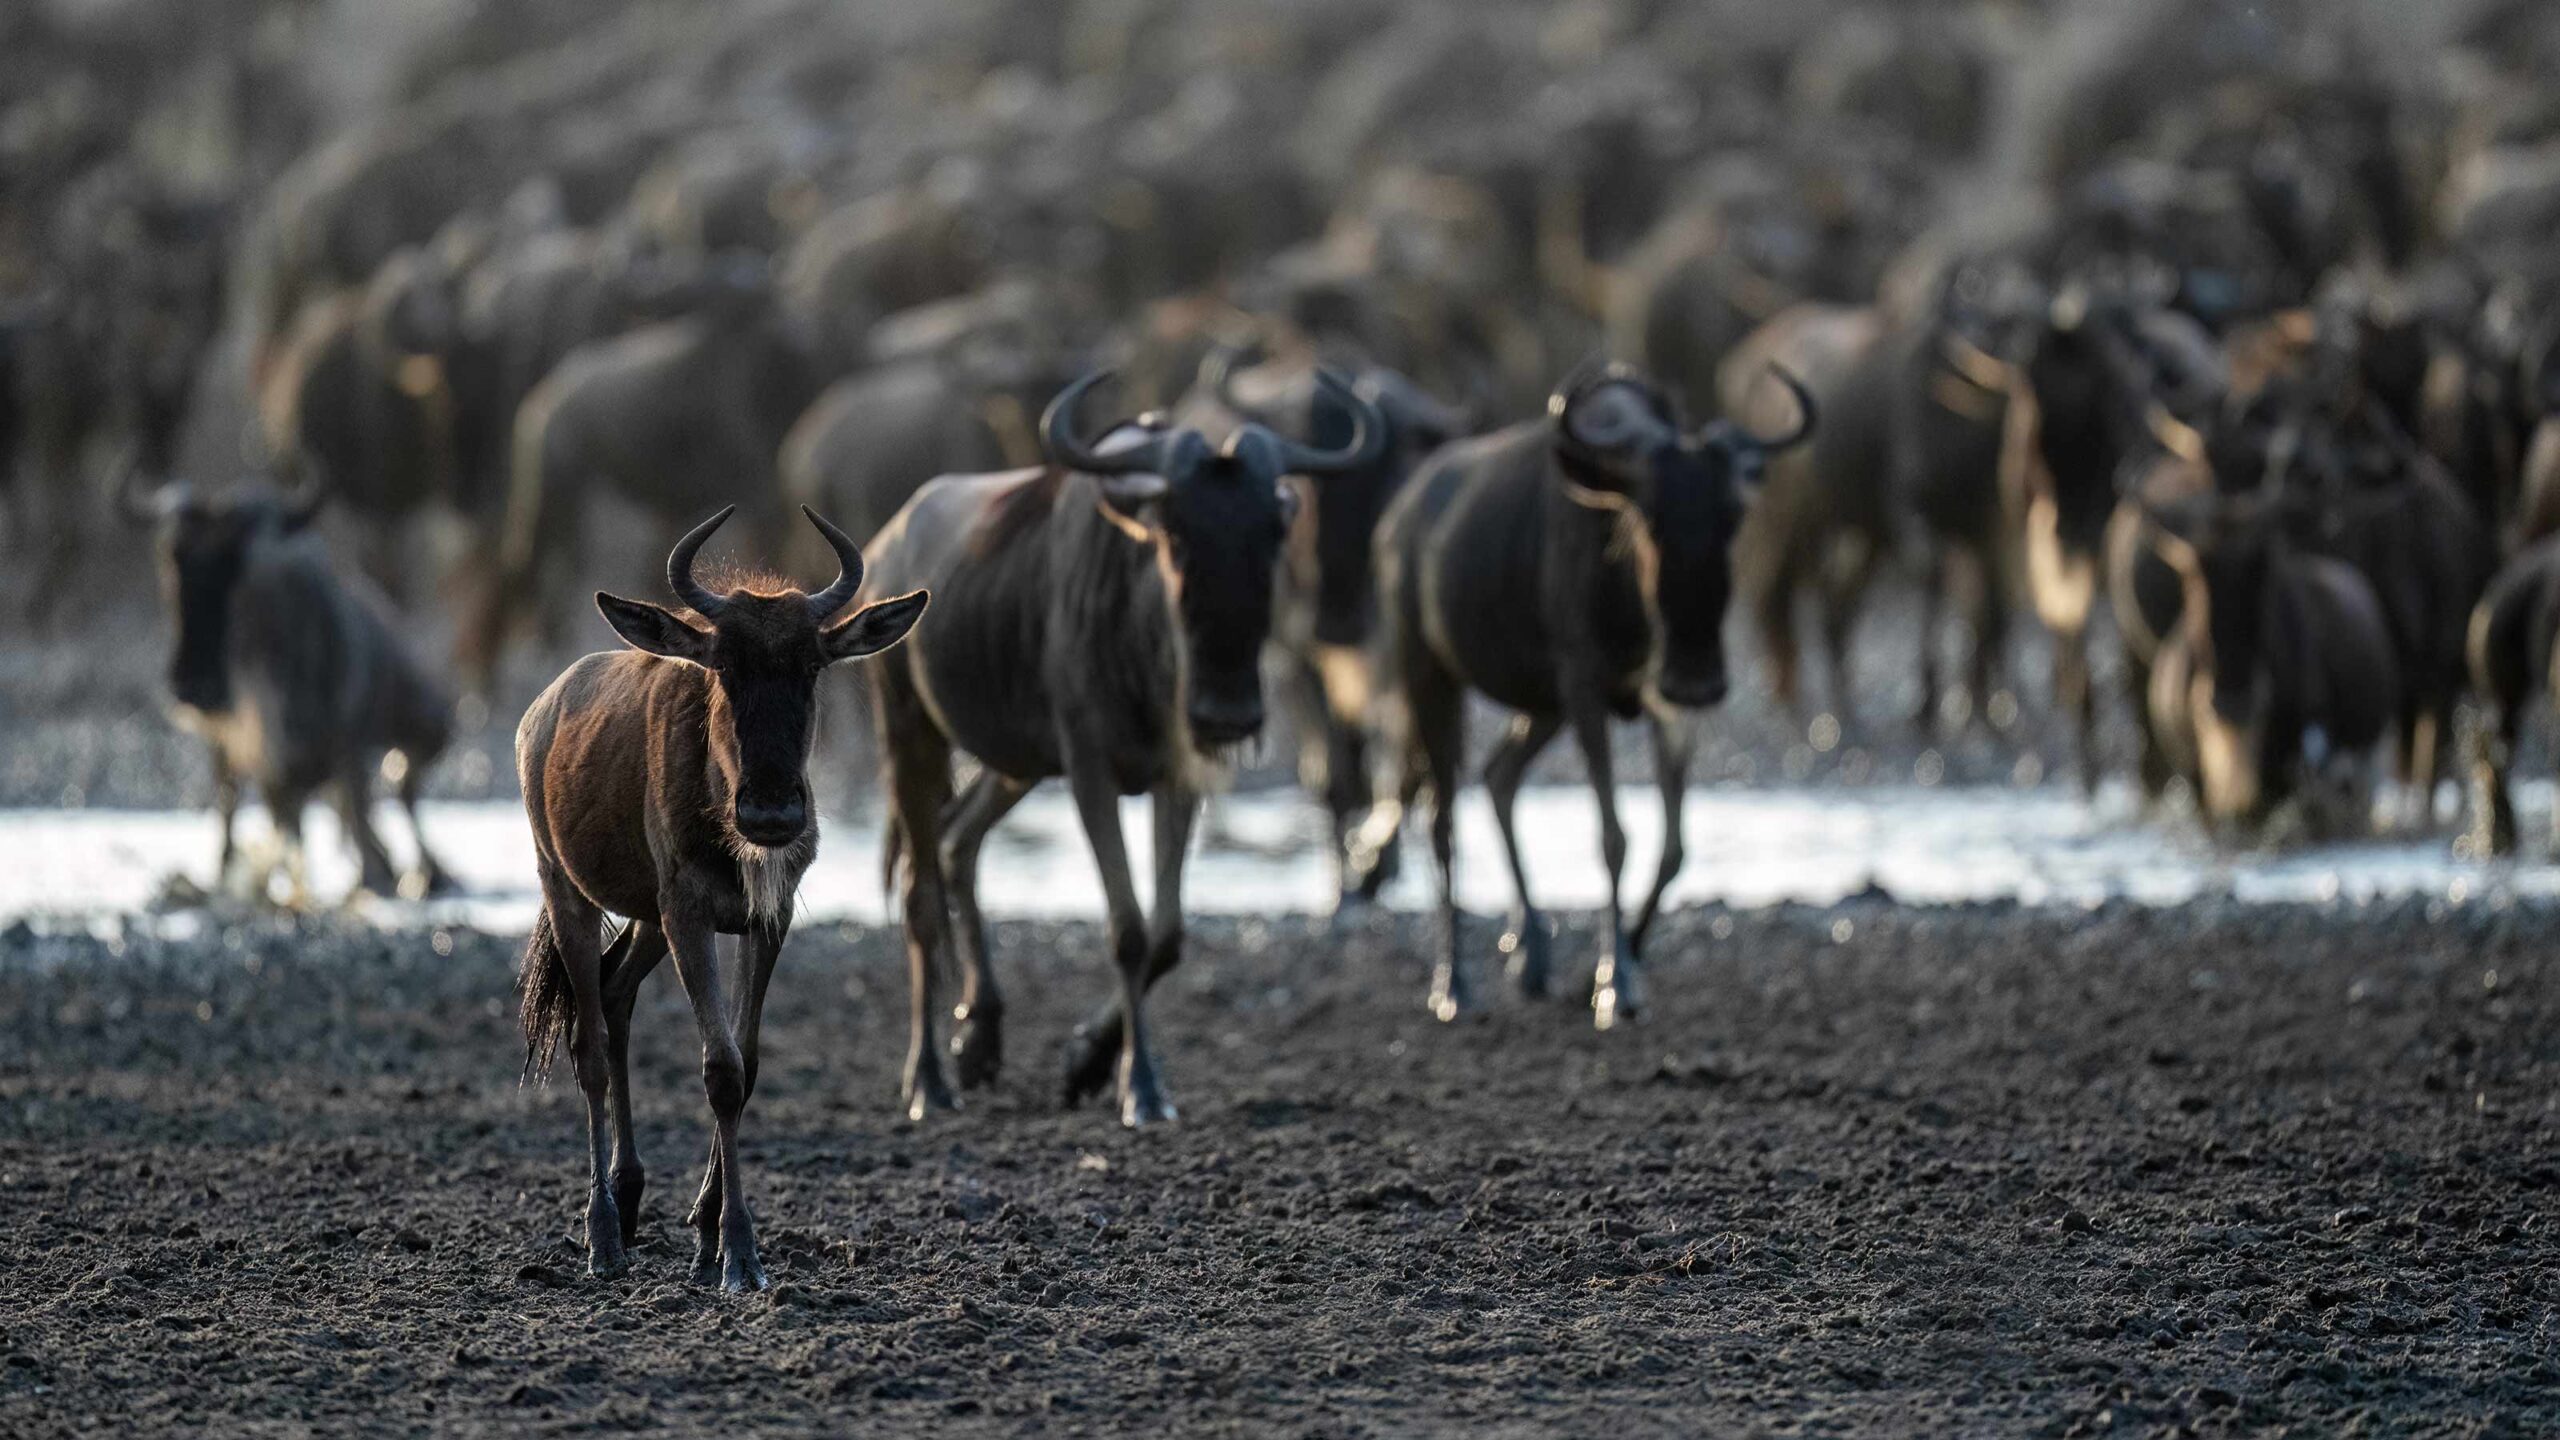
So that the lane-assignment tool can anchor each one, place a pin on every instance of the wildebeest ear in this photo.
(654, 629)
(874, 627)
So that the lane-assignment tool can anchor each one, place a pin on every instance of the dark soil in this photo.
(1867, 1171)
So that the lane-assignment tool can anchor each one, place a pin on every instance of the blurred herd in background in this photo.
(2217, 343)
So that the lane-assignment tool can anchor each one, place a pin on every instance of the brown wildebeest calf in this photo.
(668, 783)
(1102, 619)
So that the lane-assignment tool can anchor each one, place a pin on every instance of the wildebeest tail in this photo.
(544, 1000)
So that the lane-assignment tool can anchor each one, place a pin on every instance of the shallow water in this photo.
(1262, 853)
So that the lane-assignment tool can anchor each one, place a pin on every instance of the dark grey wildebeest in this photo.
(668, 783)
(1328, 600)
(1103, 619)
(2281, 677)
(299, 679)
(1570, 569)
(2514, 632)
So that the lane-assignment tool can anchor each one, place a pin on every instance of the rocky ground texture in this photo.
(1870, 1170)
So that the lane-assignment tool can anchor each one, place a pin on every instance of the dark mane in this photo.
(1017, 512)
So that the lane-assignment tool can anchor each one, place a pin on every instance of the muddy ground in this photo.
(1871, 1170)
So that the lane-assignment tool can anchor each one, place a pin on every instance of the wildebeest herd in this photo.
(2229, 331)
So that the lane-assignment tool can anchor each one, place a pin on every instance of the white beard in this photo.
(771, 878)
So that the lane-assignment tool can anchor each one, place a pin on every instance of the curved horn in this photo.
(1805, 414)
(309, 490)
(840, 590)
(1588, 369)
(137, 504)
(1368, 434)
(1218, 374)
(680, 567)
(1058, 436)
(1392, 393)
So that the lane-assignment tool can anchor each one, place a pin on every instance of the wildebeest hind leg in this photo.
(576, 928)
(1527, 941)
(916, 771)
(627, 962)
(977, 1029)
(704, 1217)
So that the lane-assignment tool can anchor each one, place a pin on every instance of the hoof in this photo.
(428, 884)
(926, 1094)
(1091, 1059)
(924, 1090)
(626, 1203)
(743, 1275)
(706, 1264)
(1618, 994)
(1451, 998)
(1528, 967)
(977, 1045)
(1143, 1101)
(604, 1237)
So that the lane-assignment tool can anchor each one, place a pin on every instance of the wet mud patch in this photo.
(2212, 1169)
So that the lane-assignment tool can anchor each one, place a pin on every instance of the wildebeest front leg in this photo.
(1526, 943)
(1674, 740)
(353, 794)
(1099, 1040)
(432, 878)
(226, 809)
(977, 1030)
(1616, 988)
(2493, 745)
(2073, 688)
(1990, 657)
(724, 1083)
(1142, 1098)
(285, 804)
(1933, 610)
(627, 962)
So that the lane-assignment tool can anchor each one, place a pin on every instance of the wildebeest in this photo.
(2282, 668)
(2080, 412)
(1826, 523)
(1906, 468)
(667, 783)
(1102, 619)
(670, 417)
(1570, 569)
(2513, 632)
(298, 679)
(361, 390)
(1328, 601)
